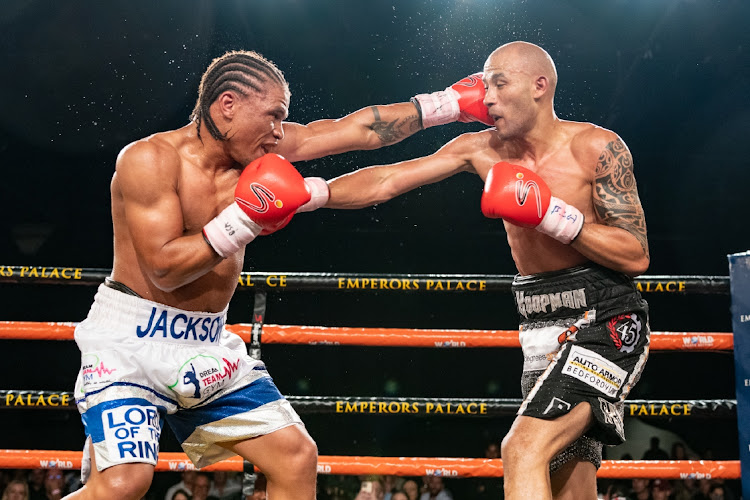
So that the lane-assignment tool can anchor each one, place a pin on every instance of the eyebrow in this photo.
(280, 110)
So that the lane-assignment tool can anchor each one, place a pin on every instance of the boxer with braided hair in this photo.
(185, 204)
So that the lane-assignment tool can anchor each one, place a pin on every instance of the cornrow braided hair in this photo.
(237, 70)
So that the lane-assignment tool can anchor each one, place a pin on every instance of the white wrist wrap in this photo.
(439, 107)
(231, 230)
(562, 221)
(319, 194)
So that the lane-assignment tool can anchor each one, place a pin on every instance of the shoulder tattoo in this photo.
(393, 131)
(615, 193)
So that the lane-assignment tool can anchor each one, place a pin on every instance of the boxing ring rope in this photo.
(250, 281)
(257, 333)
(353, 405)
(398, 466)
(394, 337)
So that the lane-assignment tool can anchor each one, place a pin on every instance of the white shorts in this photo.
(142, 362)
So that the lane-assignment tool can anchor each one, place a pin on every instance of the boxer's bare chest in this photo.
(203, 195)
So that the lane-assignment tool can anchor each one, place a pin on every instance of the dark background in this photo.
(80, 80)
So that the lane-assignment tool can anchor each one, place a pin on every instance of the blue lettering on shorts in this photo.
(163, 323)
(129, 427)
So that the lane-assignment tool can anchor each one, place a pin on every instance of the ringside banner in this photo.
(739, 278)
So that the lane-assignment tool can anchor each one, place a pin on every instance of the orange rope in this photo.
(404, 337)
(399, 466)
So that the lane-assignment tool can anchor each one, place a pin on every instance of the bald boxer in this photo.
(568, 200)
(185, 204)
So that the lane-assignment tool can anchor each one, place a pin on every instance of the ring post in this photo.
(739, 277)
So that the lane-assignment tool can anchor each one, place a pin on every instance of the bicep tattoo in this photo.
(393, 131)
(615, 194)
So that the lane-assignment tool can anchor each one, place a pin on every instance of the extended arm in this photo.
(617, 239)
(373, 185)
(378, 126)
(146, 180)
(368, 128)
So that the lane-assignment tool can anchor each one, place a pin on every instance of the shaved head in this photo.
(523, 58)
(519, 80)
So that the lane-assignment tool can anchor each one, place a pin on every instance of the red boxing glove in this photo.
(268, 193)
(519, 196)
(463, 101)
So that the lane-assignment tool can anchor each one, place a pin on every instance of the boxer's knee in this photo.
(522, 447)
(303, 457)
(127, 481)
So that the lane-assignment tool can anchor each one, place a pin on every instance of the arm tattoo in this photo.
(615, 194)
(394, 131)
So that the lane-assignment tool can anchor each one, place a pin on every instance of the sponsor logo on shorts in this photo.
(568, 335)
(164, 323)
(594, 370)
(203, 375)
(557, 404)
(95, 372)
(612, 416)
(550, 302)
(625, 331)
(535, 359)
(132, 432)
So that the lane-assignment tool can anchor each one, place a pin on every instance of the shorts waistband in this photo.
(138, 318)
(571, 292)
(591, 271)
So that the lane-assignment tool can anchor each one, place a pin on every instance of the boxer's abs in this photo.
(535, 253)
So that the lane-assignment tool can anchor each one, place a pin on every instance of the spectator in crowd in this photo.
(411, 488)
(5, 478)
(655, 452)
(54, 484)
(371, 489)
(660, 489)
(727, 492)
(704, 489)
(201, 487)
(186, 484)
(614, 491)
(16, 490)
(435, 489)
(488, 487)
(717, 492)
(259, 493)
(180, 495)
(678, 451)
(389, 486)
(226, 486)
(640, 489)
(399, 495)
(492, 450)
(36, 485)
(684, 489)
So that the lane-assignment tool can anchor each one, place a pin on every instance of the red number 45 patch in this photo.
(625, 331)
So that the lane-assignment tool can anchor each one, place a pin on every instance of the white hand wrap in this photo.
(439, 107)
(230, 231)
(319, 194)
(562, 221)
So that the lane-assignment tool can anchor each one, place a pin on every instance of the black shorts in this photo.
(584, 334)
